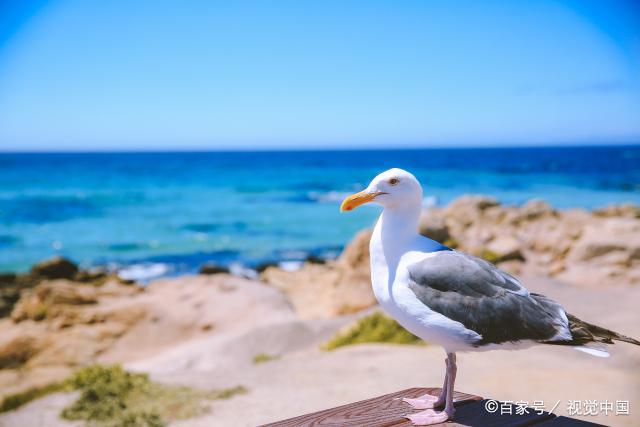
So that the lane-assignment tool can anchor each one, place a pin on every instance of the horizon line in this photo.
(618, 144)
(319, 148)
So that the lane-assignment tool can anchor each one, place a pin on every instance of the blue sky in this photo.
(84, 75)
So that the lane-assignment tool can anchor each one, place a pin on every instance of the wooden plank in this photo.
(382, 411)
(568, 422)
(389, 411)
(475, 414)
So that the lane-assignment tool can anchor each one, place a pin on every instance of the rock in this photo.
(9, 295)
(28, 307)
(535, 209)
(331, 289)
(96, 277)
(69, 326)
(506, 248)
(513, 267)
(264, 265)
(313, 259)
(115, 323)
(55, 268)
(466, 210)
(533, 237)
(587, 250)
(606, 252)
(356, 253)
(7, 278)
(213, 268)
(556, 243)
(434, 227)
(49, 299)
(473, 203)
(11, 285)
(15, 349)
(625, 210)
(605, 236)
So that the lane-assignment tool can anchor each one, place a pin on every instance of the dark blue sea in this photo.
(167, 213)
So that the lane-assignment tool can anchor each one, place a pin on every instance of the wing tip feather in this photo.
(593, 351)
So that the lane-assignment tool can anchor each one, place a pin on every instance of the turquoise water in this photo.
(168, 213)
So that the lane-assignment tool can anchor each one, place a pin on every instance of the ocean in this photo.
(156, 214)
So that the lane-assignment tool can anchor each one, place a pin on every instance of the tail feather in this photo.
(585, 333)
(594, 351)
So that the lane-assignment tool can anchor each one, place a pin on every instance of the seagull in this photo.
(458, 301)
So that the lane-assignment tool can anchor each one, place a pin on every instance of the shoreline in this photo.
(219, 331)
(177, 265)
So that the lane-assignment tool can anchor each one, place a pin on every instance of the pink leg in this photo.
(428, 401)
(430, 417)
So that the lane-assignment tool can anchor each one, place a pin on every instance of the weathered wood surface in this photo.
(389, 411)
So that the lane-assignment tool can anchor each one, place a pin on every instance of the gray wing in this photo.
(485, 299)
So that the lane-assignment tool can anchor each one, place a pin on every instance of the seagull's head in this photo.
(395, 188)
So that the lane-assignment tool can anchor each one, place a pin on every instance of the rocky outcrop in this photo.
(55, 268)
(60, 324)
(585, 248)
(607, 252)
(599, 248)
(325, 290)
(10, 287)
(627, 210)
(13, 285)
(213, 268)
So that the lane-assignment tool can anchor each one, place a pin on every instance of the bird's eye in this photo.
(394, 181)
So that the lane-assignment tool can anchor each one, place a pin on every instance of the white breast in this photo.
(390, 287)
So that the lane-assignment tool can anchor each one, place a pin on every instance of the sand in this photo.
(305, 379)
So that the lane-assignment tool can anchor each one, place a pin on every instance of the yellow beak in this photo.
(355, 200)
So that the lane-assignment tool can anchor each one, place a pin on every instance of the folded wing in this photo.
(486, 300)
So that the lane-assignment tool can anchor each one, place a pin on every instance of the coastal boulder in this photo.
(55, 268)
(466, 212)
(212, 268)
(627, 210)
(11, 286)
(51, 298)
(469, 204)
(505, 248)
(433, 226)
(16, 348)
(326, 290)
(9, 293)
(603, 237)
(607, 252)
(356, 253)
(532, 210)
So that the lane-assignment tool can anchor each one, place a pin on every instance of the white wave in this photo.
(329, 197)
(430, 202)
(294, 254)
(238, 269)
(143, 272)
(290, 265)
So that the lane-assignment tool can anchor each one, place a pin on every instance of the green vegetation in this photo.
(375, 327)
(264, 357)
(107, 394)
(228, 393)
(16, 400)
(113, 397)
(451, 242)
(489, 255)
(41, 312)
